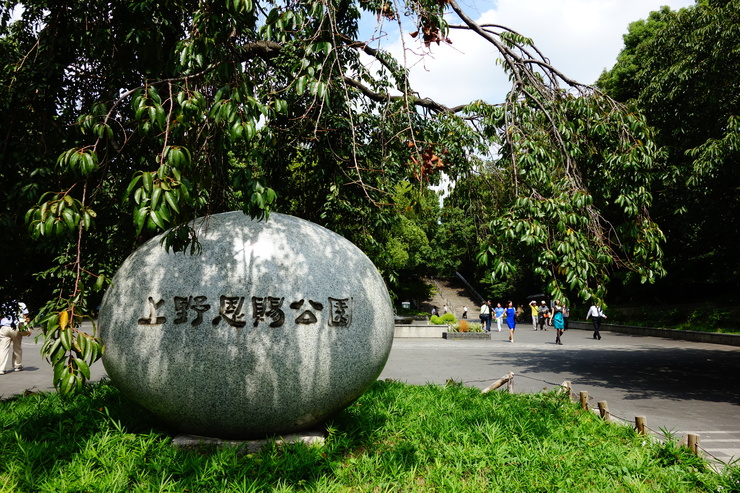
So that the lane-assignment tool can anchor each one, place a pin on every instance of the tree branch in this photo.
(427, 103)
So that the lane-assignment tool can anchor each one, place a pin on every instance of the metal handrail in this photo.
(481, 299)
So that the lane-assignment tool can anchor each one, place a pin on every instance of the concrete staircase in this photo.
(453, 293)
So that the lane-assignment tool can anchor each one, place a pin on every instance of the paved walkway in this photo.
(678, 386)
(37, 374)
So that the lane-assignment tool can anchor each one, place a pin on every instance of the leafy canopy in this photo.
(122, 119)
(682, 71)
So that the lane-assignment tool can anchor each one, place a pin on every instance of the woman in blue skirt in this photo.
(511, 319)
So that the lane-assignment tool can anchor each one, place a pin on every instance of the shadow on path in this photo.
(641, 371)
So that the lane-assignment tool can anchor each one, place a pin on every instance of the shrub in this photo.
(471, 327)
(446, 319)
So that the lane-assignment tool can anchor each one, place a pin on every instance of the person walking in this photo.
(534, 312)
(558, 322)
(556, 308)
(511, 319)
(566, 317)
(489, 320)
(596, 314)
(542, 312)
(498, 313)
(465, 312)
(485, 317)
(12, 329)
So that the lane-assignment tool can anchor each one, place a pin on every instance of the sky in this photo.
(580, 37)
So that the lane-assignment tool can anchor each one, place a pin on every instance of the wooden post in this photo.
(641, 425)
(693, 441)
(510, 384)
(567, 387)
(498, 383)
(604, 411)
(584, 400)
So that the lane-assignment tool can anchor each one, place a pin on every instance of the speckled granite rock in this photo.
(276, 326)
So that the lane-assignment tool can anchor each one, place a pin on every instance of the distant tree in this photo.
(123, 119)
(623, 80)
(682, 70)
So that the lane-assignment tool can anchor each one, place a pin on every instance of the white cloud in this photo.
(580, 37)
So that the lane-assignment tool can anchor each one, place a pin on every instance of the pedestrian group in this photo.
(542, 315)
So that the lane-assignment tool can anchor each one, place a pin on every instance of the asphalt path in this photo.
(679, 386)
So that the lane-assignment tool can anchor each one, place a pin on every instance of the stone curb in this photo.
(419, 330)
(466, 336)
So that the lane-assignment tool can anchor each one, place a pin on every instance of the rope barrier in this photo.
(662, 436)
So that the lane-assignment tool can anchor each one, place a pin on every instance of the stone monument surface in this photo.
(273, 328)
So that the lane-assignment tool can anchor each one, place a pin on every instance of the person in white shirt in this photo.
(596, 314)
(485, 317)
(12, 330)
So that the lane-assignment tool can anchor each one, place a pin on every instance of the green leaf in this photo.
(300, 85)
(187, 161)
(237, 131)
(81, 344)
(134, 182)
(324, 46)
(156, 195)
(70, 218)
(140, 196)
(65, 335)
(164, 215)
(97, 349)
(86, 219)
(51, 345)
(99, 283)
(250, 130)
(140, 216)
(83, 367)
(155, 218)
(147, 181)
(48, 228)
(68, 383)
(154, 95)
(169, 197)
(161, 116)
(60, 370)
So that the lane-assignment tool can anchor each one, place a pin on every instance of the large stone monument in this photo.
(273, 328)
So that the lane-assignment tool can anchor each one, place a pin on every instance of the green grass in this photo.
(396, 437)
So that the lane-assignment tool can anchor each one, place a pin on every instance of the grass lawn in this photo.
(396, 437)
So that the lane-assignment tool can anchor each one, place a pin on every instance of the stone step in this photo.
(453, 293)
